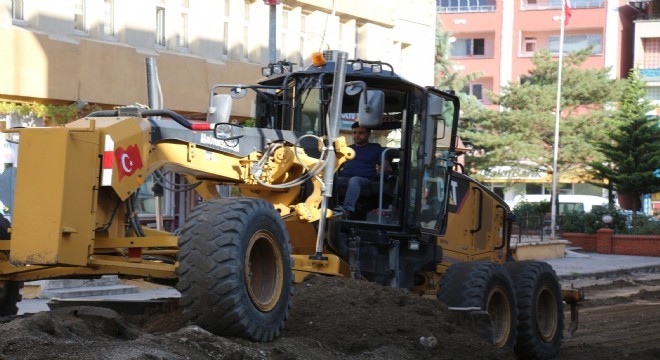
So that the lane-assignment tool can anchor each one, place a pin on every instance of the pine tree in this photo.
(632, 151)
(522, 136)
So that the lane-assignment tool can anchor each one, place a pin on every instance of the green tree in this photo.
(522, 135)
(632, 151)
(446, 77)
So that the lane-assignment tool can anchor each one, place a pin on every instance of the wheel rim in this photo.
(263, 271)
(546, 314)
(499, 310)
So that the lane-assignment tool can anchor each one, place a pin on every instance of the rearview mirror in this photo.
(220, 109)
(371, 108)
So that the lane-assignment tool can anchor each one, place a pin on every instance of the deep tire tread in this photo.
(467, 284)
(529, 277)
(210, 271)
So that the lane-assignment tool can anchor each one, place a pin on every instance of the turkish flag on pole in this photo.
(567, 11)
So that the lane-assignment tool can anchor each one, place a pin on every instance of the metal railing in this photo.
(534, 228)
(466, 8)
(554, 4)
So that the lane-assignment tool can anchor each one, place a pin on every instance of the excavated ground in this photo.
(335, 318)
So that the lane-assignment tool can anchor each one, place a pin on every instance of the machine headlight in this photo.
(228, 131)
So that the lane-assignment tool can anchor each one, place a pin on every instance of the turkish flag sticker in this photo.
(128, 161)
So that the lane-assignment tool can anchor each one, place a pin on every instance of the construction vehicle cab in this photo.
(429, 228)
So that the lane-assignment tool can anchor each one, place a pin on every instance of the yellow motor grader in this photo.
(425, 226)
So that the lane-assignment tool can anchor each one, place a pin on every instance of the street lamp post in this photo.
(272, 30)
(555, 157)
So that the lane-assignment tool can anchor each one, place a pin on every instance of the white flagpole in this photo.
(555, 175)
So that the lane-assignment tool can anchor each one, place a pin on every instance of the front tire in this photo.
(540, 309)
(235, 268)
(484, 285)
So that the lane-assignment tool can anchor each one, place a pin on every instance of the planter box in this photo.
(537, 250)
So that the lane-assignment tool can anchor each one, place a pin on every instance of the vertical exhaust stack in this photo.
(153, 87)
(333, 131)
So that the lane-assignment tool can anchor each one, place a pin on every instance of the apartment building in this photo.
(94, 51)
(80, 52)
(647, 60)
(497, 38)
(646, 48)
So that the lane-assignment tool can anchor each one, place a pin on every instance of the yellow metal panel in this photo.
(303, 266)
(130, 154)
(57, 175)
(132, 242)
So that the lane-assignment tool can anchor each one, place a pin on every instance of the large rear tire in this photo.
(540, 309)
(234, 270)
(483, 285)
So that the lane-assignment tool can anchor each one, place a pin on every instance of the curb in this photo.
(651, 269)
(66, 293)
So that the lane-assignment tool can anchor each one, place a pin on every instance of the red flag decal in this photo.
(128, 161)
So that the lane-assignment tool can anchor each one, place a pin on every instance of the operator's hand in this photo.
(388, 168)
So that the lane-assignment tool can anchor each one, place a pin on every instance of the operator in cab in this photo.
(362, 169)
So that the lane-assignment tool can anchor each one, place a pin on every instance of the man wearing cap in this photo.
(361, 169)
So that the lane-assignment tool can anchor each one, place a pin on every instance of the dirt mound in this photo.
(362, 320)
(332, 318)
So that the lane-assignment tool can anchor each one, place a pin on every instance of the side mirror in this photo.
(220, 109)
(371, 108)
(435, 105)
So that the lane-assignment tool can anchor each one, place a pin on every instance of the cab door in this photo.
(436, 157)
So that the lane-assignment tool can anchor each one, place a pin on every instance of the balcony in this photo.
(650, 75)
(557, 4)
(466, 9)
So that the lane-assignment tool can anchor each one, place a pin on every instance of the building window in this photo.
(79, 20)
(109, 18)
(17, 10)
(300, 52)
(653, 93)
(533, 189)
(529, 45)
(160, 26)
(225, 30)
(246, 31)
(183, 31)
(475, 90)
(348, 38)
(468, 47)
(557, 4)
(454, 6)
(651, 59)
(284, 54)
(573, 43)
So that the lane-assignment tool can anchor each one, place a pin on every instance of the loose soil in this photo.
(335, 318)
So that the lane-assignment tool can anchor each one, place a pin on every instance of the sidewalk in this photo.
(37, 305)
(601, 265)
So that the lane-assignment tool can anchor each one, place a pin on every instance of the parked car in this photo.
(579, 203)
